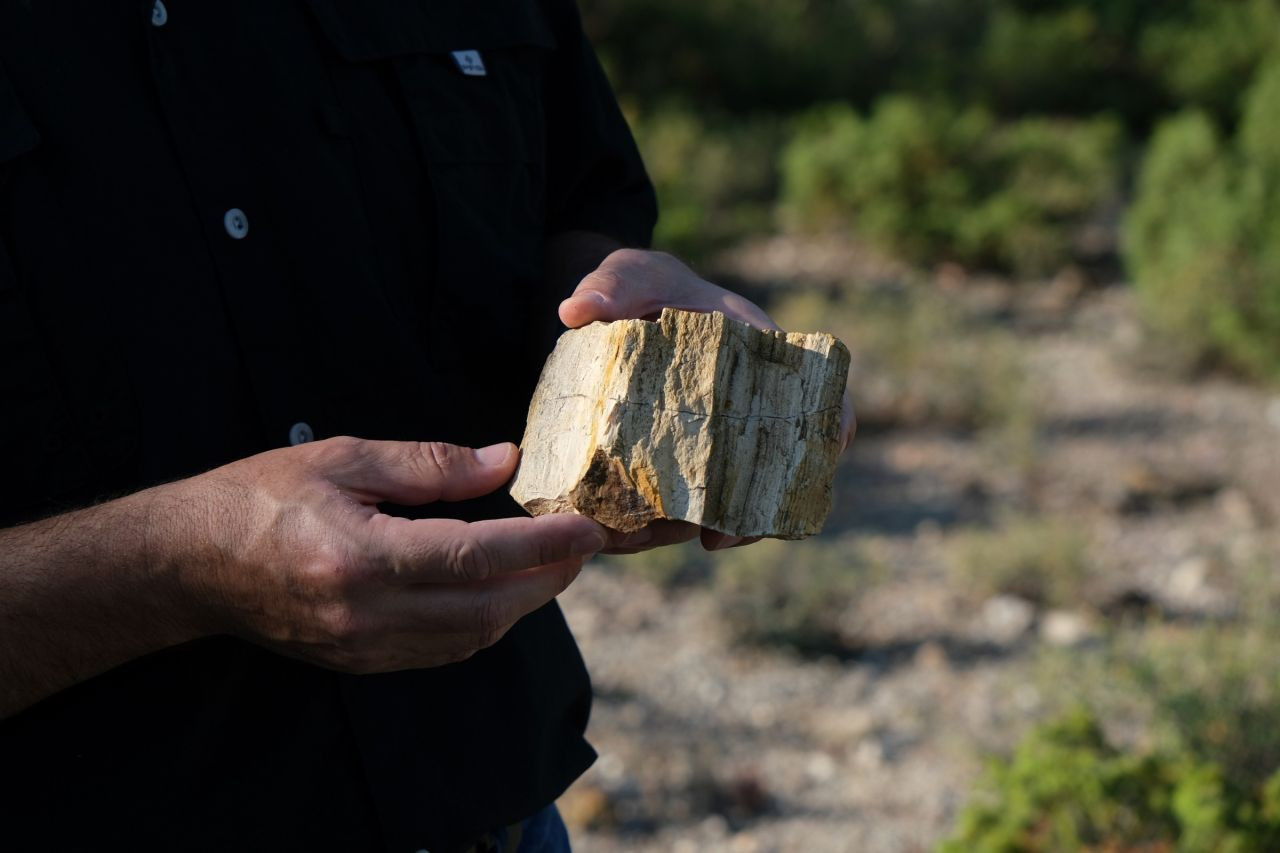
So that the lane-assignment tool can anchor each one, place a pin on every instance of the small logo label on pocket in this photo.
(469, 62)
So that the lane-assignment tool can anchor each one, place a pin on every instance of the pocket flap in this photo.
(17, 134)
(363, 31)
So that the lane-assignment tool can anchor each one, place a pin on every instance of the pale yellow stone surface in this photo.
(695, 417)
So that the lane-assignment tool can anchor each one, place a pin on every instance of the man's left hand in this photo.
(635, 284)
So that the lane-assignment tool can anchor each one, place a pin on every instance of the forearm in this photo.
(83, 592)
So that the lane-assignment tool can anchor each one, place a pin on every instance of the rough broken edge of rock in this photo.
(695, 417)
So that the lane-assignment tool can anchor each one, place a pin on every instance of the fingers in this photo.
(636, 284)
(411, 627)
(655, 535)
(435, 551)
(714, 540)
(483, 611)
(418, 472)
(848, 422)
(616, 291)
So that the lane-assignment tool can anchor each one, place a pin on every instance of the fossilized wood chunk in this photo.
(695, 417)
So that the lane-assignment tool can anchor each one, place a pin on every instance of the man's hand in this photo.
(635, 284)
(286, 549)
(301, 560)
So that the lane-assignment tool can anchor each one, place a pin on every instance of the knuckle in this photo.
(431, 459)
(334, 450)
(605, 278)
(345, 443)
(445, 457)
(331, 571)
(550, 551)
(344, 625)
(472, 560)
(629, 255)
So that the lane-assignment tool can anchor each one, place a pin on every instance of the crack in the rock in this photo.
(626, 402)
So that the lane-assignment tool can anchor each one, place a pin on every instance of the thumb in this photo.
(420, 472)
(616, 291)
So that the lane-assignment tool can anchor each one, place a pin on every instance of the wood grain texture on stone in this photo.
(695, 417)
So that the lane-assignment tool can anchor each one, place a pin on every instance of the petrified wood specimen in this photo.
(694, 417)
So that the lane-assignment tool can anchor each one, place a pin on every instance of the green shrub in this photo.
(1203, 237)
(1041, 61)
(1066, 788)
(744, 56)
(715, 181)
(930, 182)
(900, 174)
(1208, 55)
(1215, 692)
(1066, 57)
(1208, 690)
(790, 594)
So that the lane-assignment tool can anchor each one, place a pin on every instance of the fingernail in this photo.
(587, 543)
(494, 454)
(590, 296)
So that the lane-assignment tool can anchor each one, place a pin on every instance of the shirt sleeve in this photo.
(596, 180)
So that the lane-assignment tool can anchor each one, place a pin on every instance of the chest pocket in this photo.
(471, 76)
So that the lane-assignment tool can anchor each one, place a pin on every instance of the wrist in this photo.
(175, 556)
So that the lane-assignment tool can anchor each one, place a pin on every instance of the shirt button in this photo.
(301, 433)
(159, 14)
(236, 223)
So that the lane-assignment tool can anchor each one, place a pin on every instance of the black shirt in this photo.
(226, 225)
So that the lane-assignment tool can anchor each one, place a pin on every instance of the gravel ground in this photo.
(708, 745)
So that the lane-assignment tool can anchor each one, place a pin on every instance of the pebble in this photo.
(1006, 618)
(820, 767)
(1066, 628)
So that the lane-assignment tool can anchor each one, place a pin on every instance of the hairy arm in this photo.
(81, 593)
(286, 549)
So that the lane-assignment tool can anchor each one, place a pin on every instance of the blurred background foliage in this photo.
(990, 133)
(999, 158)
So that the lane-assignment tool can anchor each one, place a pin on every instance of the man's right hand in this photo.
(290, 551)
(286, 549)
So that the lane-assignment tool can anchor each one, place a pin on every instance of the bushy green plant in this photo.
(790, 594)
(1066, 789)
(900, 173)
(1203, 236)
(1038, 60)
(930, 182)
(1215, 691)
(1207, 56)
(744, 56)
(715, 180)
(1069, 57)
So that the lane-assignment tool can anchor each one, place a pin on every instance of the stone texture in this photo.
(695, 417)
